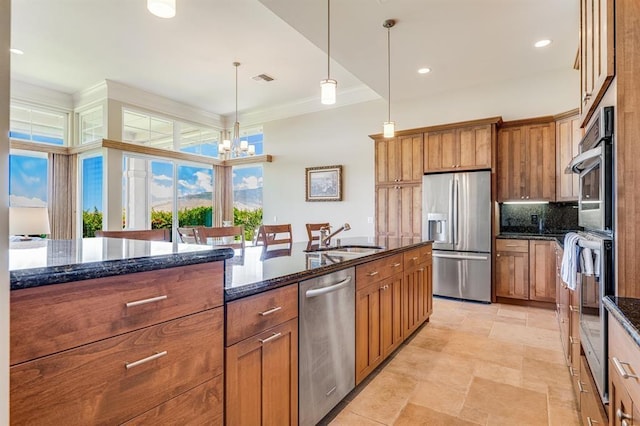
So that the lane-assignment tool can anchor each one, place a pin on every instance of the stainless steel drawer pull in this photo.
(573, 308)
(581, 387)
(268, 339)
(331, 391)
(157, 355)
(621, 370)
(573, 340)
(591, 422)
(395, 265)
(145, 301)
(414, 258)
(622, 415)
(421, 269)
(270, 311)
(512, 245)
(371, 274)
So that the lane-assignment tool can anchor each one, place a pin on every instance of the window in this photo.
(164, 133)
(37, 125)
(91, 125)
(28, 179)
(91, 190)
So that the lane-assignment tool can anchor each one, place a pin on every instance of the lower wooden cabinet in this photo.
(591, 408)
(417, 296)
(525, 270)
(262, 378)
(114, 380)
(378, 323)
(622, 409)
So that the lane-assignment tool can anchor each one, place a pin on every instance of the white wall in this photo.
(340, 136)
(5, 38)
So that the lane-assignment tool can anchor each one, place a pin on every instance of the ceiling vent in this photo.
(263, 77)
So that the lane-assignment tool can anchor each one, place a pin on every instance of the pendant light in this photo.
(162, 8)
(328, 86)
(389, 127)
(235, 147)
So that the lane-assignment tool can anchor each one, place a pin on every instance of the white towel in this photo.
(569, 267)
(586, 261)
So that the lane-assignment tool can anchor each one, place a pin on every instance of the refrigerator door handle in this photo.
(460, 256)
(450, 218)
(456, 190)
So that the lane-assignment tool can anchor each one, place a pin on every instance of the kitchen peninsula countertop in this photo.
(44, 262)
(627, 311)
(257, 270)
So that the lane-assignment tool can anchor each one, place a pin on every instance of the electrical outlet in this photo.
(534, 219)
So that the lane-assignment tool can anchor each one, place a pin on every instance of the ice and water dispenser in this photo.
(437, 227)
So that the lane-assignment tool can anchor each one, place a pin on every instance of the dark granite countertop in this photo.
(627, 311)
(257, 270)
(559, 237)
(45, 262)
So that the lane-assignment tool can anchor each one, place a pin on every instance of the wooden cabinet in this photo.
(378, 313)
(393, 298)
(591, 408)
(542, 271)
(568, 136)
(526, 161)
(262, 378)
(456, 149)
(398, 211)
(597, 66)
(262, 368)
(164, 350)
(624, 372)
(526, 270)
(512, 269)
(399, 159)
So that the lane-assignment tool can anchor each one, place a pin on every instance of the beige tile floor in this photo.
(472, 364)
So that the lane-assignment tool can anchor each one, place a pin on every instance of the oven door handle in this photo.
(577, 165)
(329, 289)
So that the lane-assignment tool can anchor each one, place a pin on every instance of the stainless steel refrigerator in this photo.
(457, 217)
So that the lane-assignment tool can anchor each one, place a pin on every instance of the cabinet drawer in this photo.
(415, 257)
(377, 270)
(512, 245)
(54, 318)
(116, 379)
(255, 314)
(202, 405)
(591, 408)
(626, 351)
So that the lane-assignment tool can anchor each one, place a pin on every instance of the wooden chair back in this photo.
(188, 235)
(313, 230)
(222, 235)
(275, 234)
(148, 234)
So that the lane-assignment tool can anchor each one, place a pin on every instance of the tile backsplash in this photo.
(539, 218)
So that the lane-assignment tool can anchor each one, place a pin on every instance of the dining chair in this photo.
(313, 230)
(188, 235)
(230, 236)
(270, 235)
(146, 234)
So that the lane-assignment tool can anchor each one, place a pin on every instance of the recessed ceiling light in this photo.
(542, 43)
(16, 51)
(424, 70)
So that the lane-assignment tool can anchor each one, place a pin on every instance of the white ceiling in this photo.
(71, 45)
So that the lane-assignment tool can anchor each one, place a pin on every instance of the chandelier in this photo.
(234, 147)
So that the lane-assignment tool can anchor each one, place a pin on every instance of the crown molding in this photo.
(37, 95)
(90, 96)
(150, 101)
(346, 97)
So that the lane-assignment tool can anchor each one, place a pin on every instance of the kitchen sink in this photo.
(349, 249)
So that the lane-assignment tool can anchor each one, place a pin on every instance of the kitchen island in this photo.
(107, 331)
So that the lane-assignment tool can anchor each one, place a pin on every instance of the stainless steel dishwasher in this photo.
(326, 358)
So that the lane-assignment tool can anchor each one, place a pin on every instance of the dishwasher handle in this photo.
(329, 289)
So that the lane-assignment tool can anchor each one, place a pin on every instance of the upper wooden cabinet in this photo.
(597, 66)
(526, 161)
(568, 136)
(465, 148)
(399, 159)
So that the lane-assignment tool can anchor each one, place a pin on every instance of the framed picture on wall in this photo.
(323, 183)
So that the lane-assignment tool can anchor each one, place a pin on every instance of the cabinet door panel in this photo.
(568, 136)
(368, 343)
(410, 205)
(411, 158)
(512, 275)
(390, 317)
(441, 151)
(382, 161)
(541, 162)
(511, 168)
(475, 147)
(542, 271)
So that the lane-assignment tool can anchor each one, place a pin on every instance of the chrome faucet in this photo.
(325, 237)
